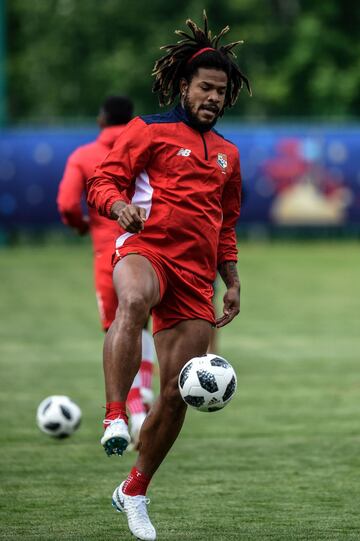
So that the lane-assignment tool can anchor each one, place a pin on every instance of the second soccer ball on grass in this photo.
(58, 416)
(207, 383)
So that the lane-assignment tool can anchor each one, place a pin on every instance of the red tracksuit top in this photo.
(79, 167)
(189, 183)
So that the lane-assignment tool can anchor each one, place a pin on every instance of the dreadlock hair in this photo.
(199, 50)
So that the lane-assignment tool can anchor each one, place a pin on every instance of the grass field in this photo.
(281, 462)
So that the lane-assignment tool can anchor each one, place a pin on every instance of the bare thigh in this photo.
(135, 277)
(176, 346)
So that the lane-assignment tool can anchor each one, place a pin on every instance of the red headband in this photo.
(199, 52)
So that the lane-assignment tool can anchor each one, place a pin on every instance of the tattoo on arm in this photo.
(229, 274)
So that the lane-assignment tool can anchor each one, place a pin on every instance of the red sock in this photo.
(115, 410)
(136, 484)
(134, 401)
(146, 373)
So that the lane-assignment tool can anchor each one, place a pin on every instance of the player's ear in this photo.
(183, 87)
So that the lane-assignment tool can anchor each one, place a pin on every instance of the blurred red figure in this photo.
(114, 114)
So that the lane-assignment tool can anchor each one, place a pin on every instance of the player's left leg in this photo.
(174, 348)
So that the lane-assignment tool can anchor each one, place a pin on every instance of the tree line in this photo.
(64, 56)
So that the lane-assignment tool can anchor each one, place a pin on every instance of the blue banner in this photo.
(293, 175)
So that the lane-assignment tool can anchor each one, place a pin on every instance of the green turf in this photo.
(281, 462)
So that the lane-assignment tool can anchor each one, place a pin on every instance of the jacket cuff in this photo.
(111, 201)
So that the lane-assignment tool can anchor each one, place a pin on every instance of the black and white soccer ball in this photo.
(58, 416)
(207, 383)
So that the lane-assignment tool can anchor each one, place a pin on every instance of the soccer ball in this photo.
(207, 383)
(58, 416)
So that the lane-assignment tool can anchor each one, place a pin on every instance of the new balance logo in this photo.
(184, 152)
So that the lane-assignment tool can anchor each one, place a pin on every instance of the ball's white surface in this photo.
(58, 416)
(207, 383)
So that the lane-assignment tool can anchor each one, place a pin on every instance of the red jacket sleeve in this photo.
(71, 190)
(114, 178)
(227, 249)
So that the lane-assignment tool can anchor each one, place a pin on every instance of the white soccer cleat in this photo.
(116, 437)
(136, 512)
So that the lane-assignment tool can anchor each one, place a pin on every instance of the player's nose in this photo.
(214, 96)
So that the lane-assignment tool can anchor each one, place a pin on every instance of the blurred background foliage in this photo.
(63, 56)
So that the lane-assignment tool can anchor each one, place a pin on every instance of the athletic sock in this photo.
(136, 484)
(134, 401)
(115, 410)
(147, 362)
(146, 373)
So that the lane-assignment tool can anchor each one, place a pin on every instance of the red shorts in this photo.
(183, 294)
(105, 292)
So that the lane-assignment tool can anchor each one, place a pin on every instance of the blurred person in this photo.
(173, 184)
(114, 114)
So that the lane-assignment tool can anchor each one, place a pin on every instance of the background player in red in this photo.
(173, 184)
(114, 114)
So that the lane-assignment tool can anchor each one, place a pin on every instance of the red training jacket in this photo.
(189, 183)
(79, 167)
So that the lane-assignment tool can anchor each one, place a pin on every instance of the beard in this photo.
(197, 124)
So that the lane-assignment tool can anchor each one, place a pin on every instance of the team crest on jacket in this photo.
(222, 160)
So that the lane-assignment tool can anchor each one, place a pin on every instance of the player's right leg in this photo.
(137, 287)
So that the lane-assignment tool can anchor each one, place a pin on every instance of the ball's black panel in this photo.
(230, 389)
(62, 435)
(212, 409)
(207, 381)
(218, 361)
(195, 401)
(52, 426)
(46, 407)
(184, 375)
(66, 412)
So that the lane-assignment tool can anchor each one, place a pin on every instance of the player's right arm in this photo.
(70, 193)
(110, 189)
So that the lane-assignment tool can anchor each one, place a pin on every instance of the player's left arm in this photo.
(229, 274)
(227, 249)
(70, 192)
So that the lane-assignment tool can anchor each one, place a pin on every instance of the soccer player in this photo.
(115, 113)
(173, 184)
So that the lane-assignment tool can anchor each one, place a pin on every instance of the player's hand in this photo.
(76, 221)
(129, 217)
(83, 227)
(231, 306)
